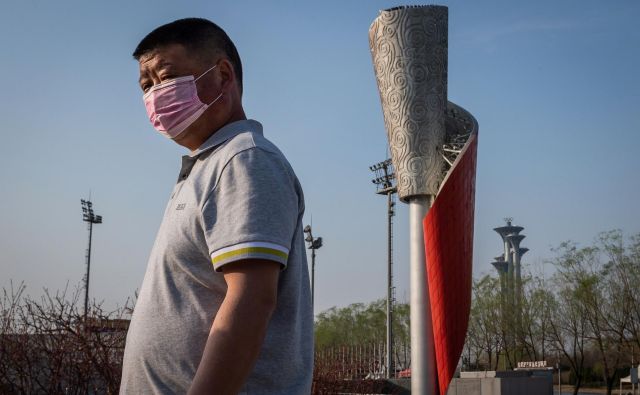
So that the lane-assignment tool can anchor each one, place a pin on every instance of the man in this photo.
(224, 306)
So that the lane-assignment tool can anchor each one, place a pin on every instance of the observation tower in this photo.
(509, 270)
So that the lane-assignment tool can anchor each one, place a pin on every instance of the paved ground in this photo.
(568, 390)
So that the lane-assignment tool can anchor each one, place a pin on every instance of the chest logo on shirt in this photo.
(181, 206)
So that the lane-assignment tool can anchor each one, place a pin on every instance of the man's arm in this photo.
(239, 327)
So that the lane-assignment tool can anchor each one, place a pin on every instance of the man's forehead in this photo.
(161, 56)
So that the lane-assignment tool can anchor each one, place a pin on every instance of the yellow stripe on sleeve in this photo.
(248, 251)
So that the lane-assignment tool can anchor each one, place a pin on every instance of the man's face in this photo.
(173, 61)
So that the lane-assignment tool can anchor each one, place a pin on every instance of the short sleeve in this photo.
(252, 211)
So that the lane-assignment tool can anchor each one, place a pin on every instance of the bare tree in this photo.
(48, 348)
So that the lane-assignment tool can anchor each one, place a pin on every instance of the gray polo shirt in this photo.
(236, 198)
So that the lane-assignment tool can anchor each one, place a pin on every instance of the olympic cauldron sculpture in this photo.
(433, 145)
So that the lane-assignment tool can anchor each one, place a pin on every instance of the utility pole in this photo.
(559, 376)
(384, 182)
(314, 244)
(89, 217)
(633, 384)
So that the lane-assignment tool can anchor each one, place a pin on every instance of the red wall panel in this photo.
(448, 232)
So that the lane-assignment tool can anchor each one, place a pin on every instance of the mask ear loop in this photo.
(201, 75)
(214, 100)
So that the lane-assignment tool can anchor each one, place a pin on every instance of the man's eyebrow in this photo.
(164, 64)
(160, 66)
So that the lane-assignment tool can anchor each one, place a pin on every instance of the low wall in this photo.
(502, 383)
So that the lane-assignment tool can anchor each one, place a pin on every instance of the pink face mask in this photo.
(174, 105)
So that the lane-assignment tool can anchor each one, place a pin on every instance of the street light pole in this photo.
(89, 217)
(385, 186)
(559, 376)
(314, 244)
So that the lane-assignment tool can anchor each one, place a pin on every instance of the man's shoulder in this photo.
(249, 145)
(250, 153)
(251, 140)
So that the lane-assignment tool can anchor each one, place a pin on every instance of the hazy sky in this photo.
(554, 86)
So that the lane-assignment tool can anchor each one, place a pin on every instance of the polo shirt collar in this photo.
(227, 132)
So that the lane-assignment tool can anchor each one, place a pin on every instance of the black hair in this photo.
(198, 35)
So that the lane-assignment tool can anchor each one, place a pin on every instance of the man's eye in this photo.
(145, 87)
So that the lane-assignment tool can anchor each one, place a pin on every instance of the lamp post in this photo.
(384, 182)
(559, 376)
(314, 244)
(89, 217)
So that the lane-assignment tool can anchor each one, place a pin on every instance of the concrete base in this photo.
(502, 383)
(470, 383)
(400, 386)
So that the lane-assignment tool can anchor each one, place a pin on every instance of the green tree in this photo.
(596, 303)
(535, 311)
(359, 323)
(485, 336)
(362, 324)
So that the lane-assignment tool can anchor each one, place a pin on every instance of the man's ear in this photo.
(227, 75)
